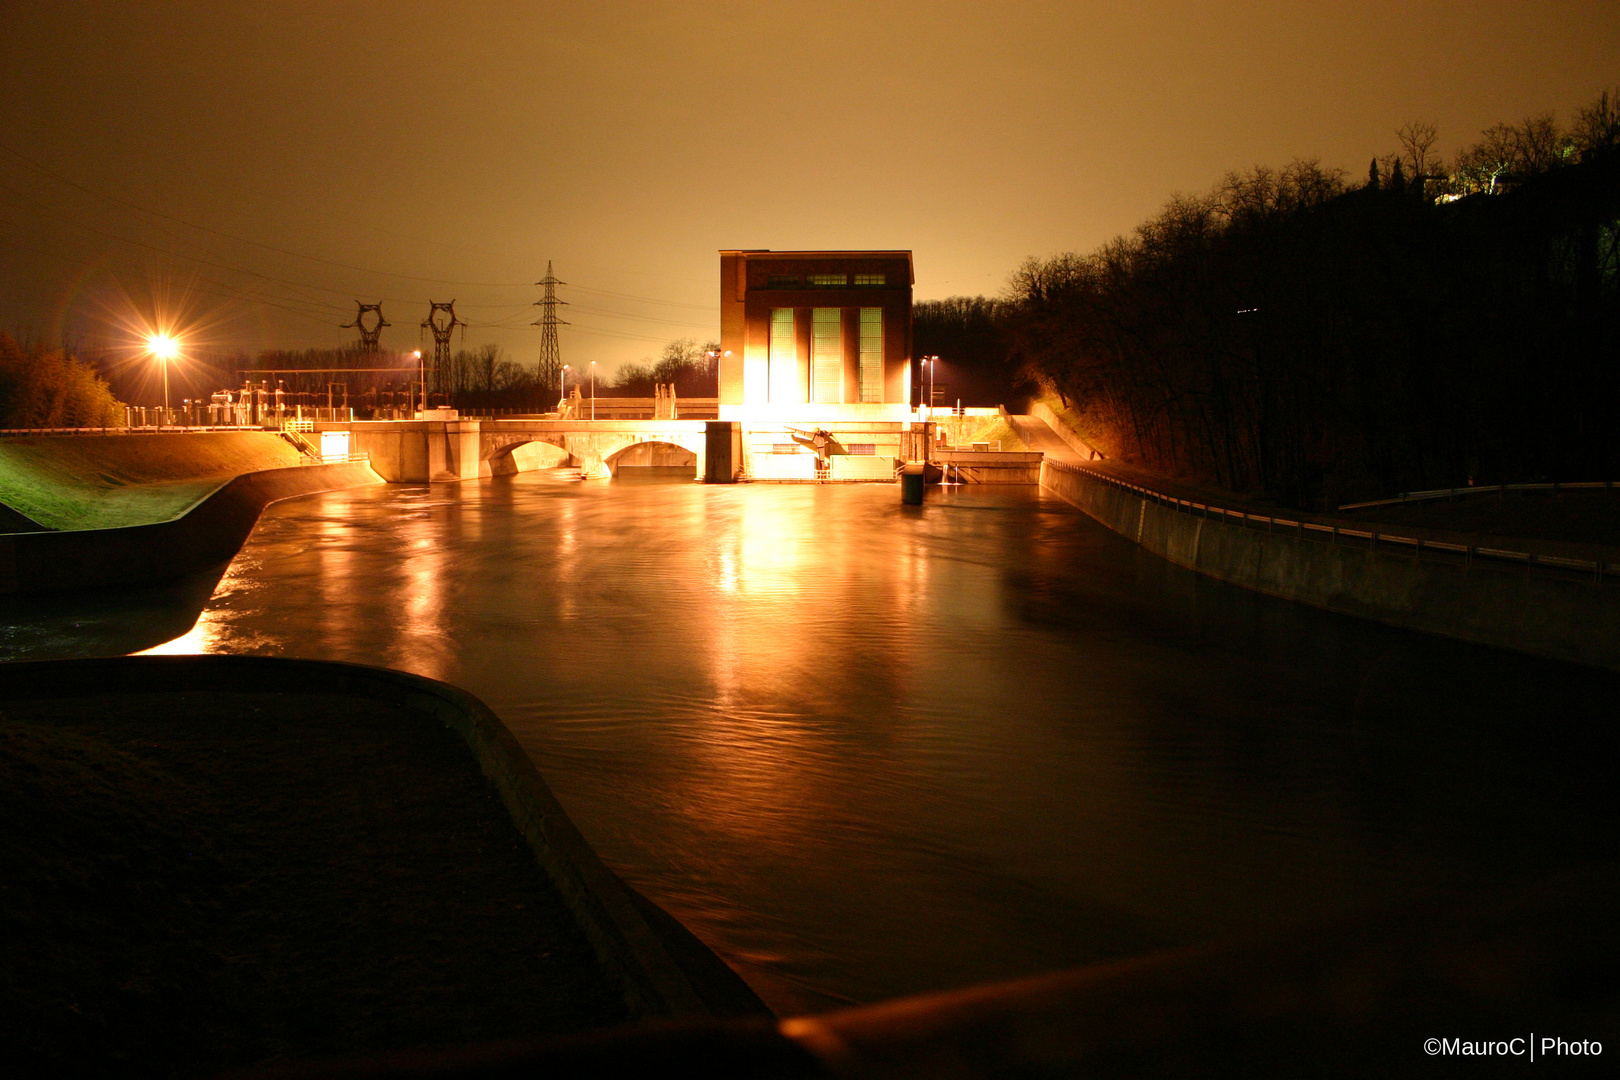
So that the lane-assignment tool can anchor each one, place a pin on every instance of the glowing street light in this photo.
(929, 362)
(421, 373)
(593, 389)
(164, 348)
(562, 389)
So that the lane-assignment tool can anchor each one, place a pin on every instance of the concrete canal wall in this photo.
(1561, 601)
(209, 532)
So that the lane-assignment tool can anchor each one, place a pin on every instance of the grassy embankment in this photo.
(108, 481)
(963, 432)
(201, 881)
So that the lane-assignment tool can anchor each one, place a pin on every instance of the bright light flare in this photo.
(163, 346)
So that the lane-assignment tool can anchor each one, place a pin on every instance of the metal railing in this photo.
(1597, 571)
(122, 430)
(1491, 489)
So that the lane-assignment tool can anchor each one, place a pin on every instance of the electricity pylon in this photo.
(550, 351)
(441, 328)
(368, 335)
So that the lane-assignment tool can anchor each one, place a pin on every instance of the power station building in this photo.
(815, 336)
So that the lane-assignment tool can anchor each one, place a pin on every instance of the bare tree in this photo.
(1418, 138)
(1540, 145)
(1482, 166)
(1598, 125)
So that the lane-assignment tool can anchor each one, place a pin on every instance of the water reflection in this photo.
(105, 622)
(865, 751)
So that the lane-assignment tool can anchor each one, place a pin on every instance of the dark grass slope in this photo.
(198, 881)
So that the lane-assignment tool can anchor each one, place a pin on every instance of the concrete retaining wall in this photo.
(1043, 412)
(1547, 613)
(990, 466)
(210, 532)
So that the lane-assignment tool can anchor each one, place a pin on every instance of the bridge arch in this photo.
(526, 456)
(595, 450)
(653, 455)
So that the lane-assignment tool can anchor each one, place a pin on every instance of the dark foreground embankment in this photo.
(1527, 975)
(212, 862)
(1550, 599)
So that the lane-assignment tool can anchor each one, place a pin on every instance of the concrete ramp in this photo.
(1038, 435)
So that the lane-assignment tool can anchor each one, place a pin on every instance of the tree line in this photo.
(1293, 334)
(42, 387)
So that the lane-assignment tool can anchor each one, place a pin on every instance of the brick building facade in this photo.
(815, 334)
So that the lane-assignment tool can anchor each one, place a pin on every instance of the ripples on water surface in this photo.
(866, 750)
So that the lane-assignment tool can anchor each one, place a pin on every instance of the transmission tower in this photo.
(368, 335)
(550, 352)
(441, 320)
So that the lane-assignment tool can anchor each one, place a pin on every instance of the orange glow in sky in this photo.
(253, 154)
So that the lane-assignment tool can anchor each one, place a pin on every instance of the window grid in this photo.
(827, 355)
(784, 358)
(829, 279)
(871, 354)
(871, 279)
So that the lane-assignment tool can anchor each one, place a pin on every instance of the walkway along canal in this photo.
(865, 750)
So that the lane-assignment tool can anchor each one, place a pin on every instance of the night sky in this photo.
(255, 168)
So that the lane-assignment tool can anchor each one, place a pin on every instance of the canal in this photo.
(865, 750)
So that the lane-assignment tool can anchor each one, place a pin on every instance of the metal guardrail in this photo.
(1489, 489)
(1595, 571)
(122, 430)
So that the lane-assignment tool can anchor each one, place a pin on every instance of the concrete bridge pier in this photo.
(453, 451)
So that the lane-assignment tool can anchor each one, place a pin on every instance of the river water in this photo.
(865, 750)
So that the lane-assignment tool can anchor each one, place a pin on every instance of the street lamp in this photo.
(164, 348)
(562, 389)
(929, 362)
(593, 389)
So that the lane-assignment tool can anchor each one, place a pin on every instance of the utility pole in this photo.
(441, 320)
(550, 351)
(368, 335)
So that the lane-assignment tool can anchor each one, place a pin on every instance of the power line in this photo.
(242, 239)
(307, 286)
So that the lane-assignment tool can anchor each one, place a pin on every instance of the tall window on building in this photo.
(827, 355)
(871, 354)
(785, 385)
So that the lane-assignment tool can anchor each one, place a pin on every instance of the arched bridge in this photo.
(414, 451)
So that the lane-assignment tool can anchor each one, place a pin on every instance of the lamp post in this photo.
(930, 361)
(593, 389)
(562, 389)
(163, 348)
(421, 374)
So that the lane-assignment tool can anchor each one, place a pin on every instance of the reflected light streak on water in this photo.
(865, 750)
